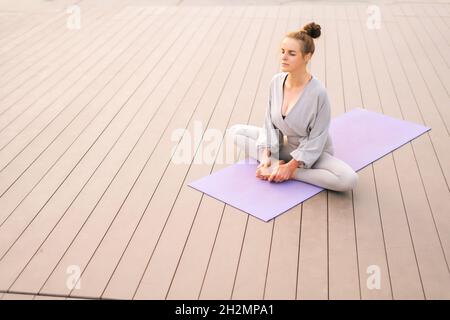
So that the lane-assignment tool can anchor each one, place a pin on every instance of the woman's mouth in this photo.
(284, 64)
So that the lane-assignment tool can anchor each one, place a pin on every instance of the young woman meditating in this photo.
(294, 142)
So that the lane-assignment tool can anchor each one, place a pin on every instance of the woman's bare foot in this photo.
(265, 172)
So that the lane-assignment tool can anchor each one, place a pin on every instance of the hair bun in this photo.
(312, 29)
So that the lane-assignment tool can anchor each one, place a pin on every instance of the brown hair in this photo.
(305, 36)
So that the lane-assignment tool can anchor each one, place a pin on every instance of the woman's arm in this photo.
(294, 164)
(311, 148)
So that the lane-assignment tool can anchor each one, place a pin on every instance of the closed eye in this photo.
(292, 53)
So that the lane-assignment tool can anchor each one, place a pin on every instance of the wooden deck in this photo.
(86, 178)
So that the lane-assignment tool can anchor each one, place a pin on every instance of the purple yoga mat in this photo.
(359, 137)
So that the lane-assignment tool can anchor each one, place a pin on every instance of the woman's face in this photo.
(291, 57)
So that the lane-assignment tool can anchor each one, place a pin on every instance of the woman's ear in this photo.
(308, 57)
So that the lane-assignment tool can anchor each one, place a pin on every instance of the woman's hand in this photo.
(285, 171)
(281, 173)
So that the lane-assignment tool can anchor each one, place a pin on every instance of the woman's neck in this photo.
(297, 79)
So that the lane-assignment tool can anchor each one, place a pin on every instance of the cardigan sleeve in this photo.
(269, 136)
(311, 147)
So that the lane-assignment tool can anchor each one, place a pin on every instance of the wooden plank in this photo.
(433, 267)
(19, 196)
(40, 100)
(80, 250)
(28, 53)
(403, 270)
(16, 296)
(430, 115)
(433, 36)
(12, 21)
(431, 81)
(437, 193)
(36, 141)
(442, 9)
(34, 8)
(58, 89)
(137, 202)
(129, 272)
(179, 221)
(29, 31)
(398, 249)
(77, 115)
(441, 24)
(432, 264)
(14, 193)
(48, 21)
(32, 57)
(106, 95)
(29, 70)
(154, 147)
(139, 69)
(191, 47)
(368, 223)
(40, 297)
(343, 260)
(19, 22)
(405, 157)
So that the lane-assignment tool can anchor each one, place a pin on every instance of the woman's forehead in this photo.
(290, 44)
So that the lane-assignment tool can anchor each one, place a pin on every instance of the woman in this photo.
(294, 142)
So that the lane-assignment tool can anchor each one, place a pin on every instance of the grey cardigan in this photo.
(305, 126)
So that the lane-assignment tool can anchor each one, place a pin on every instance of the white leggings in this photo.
(327, 172)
